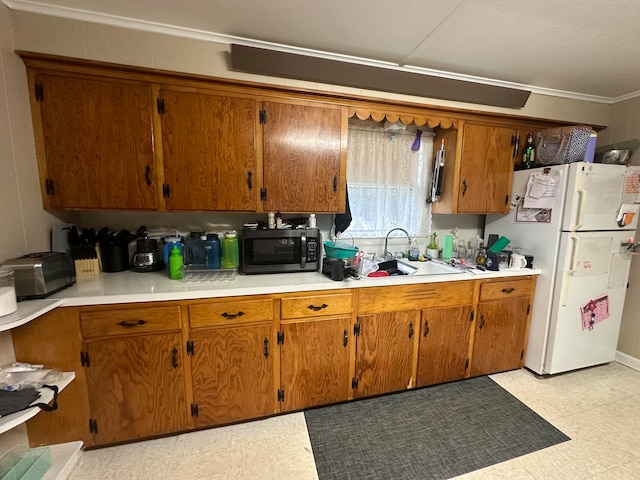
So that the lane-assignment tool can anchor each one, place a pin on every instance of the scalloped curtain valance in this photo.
(406, 118)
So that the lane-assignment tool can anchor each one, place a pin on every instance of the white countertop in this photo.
(127, 287)
(28, 311)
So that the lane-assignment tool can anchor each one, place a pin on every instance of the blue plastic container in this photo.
(213, 253)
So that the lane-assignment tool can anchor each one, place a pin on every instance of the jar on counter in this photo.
(8, 302)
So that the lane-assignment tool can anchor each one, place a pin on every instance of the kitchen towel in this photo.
(343, 220)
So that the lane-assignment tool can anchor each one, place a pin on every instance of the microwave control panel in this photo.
(312, 249)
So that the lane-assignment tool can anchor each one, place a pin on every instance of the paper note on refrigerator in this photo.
(542, 189)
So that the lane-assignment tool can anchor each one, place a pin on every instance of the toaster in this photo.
(38, 275)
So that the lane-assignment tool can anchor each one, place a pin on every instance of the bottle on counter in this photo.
(230, 256)
(312, 220)
(529, 154)
(414, 250)
(213, 252)
(271, 220)
(175, 264)
(278, 220)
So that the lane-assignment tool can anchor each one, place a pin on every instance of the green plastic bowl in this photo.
(339, 251)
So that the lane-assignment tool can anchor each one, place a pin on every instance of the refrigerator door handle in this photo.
(580, 213)
(572, 268)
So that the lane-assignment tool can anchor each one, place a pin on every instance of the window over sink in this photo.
(387, 179)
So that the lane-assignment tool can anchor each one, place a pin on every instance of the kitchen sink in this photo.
(399, 268)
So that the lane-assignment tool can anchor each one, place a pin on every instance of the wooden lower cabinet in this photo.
(385, 347)
(136, 387)
(314, 360)
(232, 373)
(443, 354)
(502, 326)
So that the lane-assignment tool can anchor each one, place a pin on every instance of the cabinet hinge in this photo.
(356, 329)
(280, 338)
(194, 409)
(263, 194)
(466, 364)
(39, 92)
(263, 116)
(471, 316)
(354, 383)
(506, 199)
(93, 426)
(281, 395)
(84, 359)
(528, 309)
(166, 192)
(48, 186)
(190, 348)
(160, 105)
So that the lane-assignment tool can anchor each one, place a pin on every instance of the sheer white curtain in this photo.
(388, 181)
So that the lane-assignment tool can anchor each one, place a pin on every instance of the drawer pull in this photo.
(317, 309)
(132, 324)
(231, 316)
(508, 290)
(174, 358)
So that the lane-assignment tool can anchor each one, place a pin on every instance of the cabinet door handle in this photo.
(411, 332)
(317, 309)
(345, 339)
(147, 175)
(231, 316)
(481, 322)
(132, 324)
(174, 358)
(464, 187)
(426, 328)
(250, 180)
(508, 290)
(266, 348)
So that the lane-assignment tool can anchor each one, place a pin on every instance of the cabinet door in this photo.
(304, 160)
(385, 352)
(315, 362)
(232, 371)
(209, 151)
(500, 335)
(486, 169)
(444, 345)
(136, 387)
(98, 143)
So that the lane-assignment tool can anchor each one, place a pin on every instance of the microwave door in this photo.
(303, 250)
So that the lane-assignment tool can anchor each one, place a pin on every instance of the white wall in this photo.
(625, 125)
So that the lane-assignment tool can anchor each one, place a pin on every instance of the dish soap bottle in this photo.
(414, 251)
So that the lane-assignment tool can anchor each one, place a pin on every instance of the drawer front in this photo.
(104, 323)
(414, 297)
(316, 306)
(230, 312)
(505, 290)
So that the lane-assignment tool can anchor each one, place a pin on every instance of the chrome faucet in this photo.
(387, 255)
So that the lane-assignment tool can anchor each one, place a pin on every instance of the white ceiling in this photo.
(585, 47)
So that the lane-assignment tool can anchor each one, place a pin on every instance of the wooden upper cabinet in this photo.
(209, 151)
(486, 169)
(304, 157)
(95, 142)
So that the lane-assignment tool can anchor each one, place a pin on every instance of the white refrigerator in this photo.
(578, 221)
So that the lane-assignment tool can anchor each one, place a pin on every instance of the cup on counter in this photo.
(529, 259)
(503, 260)
(517, 261)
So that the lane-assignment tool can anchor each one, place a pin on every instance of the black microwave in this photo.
(281, 250)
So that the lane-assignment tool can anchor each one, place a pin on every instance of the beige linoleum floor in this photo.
(599, 408)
